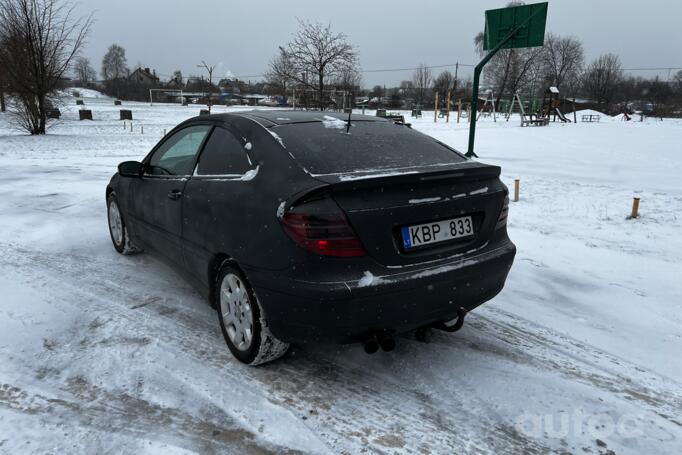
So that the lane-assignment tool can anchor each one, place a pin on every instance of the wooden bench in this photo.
(590, 118)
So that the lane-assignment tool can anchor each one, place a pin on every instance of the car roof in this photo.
(274, 117)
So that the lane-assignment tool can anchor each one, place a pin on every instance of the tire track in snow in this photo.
(548, 350)
(108, 411)
(353, 409)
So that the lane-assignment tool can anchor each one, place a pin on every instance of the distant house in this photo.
(144, 76)
(175, 84)
(230, 85)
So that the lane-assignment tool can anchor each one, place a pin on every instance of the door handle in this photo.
(175, 195)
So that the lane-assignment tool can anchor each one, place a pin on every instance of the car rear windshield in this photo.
(326, 148)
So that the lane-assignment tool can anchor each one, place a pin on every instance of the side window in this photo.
(177, 154)
(223, 155)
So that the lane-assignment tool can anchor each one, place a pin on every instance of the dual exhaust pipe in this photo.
(387, 342)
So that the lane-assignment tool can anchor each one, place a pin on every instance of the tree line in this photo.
(318, 62)
(40, 41)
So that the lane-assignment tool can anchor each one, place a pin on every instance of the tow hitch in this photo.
(454, 324)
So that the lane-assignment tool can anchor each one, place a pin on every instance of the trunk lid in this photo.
(379, 204)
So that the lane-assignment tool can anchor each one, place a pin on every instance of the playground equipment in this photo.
(530, 119)
(488, 107)
(550, 105)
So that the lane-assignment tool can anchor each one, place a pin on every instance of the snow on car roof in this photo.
(284, 117)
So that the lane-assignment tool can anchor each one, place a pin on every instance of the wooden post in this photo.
(469, 113)
(141, 129)
(447, 114)
(575, 115)
(124, 125)
(435, 110)
(635, 208)
(459, 109)
(517, 189)
(131, 127)
(164, 132)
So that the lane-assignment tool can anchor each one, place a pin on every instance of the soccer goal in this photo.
(165, 93)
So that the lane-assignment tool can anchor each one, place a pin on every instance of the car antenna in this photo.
(350, 110)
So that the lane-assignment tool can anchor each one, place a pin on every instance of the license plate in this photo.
(438, 231)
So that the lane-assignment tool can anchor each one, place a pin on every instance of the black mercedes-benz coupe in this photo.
(304, 227)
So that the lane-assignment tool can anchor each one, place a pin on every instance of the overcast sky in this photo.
(241, 36)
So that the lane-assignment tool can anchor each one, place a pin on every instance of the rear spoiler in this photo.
(466, 171)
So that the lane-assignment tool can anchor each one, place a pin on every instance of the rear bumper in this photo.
(396, 301)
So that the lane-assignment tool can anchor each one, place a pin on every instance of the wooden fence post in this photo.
(517, 189)
(447, 114)
(435, 110)
(459, 109)
(635, 208)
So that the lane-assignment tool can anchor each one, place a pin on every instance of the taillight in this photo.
(320, 227)
(502, 219)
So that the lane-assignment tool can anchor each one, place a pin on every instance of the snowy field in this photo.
(101, 353)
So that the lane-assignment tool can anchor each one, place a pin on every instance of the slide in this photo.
(561, 116)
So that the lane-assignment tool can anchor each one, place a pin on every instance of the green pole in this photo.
(474, 95)
(477, 75)
(474, 112)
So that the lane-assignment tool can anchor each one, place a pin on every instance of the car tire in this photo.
(117, 228)
(242, 322)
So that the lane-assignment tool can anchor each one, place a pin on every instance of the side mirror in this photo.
(130, 169)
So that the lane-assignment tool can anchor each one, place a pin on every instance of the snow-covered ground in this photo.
(580, 353)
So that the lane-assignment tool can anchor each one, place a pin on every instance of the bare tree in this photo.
(114, 69)
(421, 81)
(677, 78)
(280, 73)
(3, 85)
(114, 63)
(83, 71)
(323, 54)
(209, 69)
(511, 70)
(563, 59)
(443, 83)
(601, 79)
(349, 80)
(40, 39)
